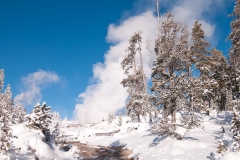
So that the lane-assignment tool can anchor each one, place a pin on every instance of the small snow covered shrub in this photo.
(119, 119)
(40, 118)
(56, 117)
(32, 151)
(19, 113)
(110, 118)
(58, 137)
(235, 129)
(222, 148)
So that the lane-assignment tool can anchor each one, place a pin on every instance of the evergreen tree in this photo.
(6, 104)
(194, 103)
(55, 118)
(1, 79)
(40, 118)
(19, 113)
(221, 146)
(136, 80)
(110, 118)
(120, 119)
(139, 104)
(169, 71)
(220, 80)
(235, 129)
(5, 131)
(234, 55)
(58, 137)
(199, 51)
(200, 58)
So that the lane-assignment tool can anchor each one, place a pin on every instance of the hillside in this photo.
(198, 143)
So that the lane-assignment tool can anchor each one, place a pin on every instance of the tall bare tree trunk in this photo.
(150, 115)
(135, 71)
(173, 120)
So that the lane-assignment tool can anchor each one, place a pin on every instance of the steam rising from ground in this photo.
(108, 96)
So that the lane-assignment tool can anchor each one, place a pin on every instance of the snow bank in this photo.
(231, 156)
(31, 139)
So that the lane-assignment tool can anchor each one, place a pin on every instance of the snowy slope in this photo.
(197, 144)
(33, 139)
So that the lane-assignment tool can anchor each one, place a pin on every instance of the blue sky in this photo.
(65, 41)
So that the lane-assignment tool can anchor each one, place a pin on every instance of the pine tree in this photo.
(1, 79)
(120, 119)
(234, 55)
(9, 105)
(5, 131)
(40, 118)
(235, 129)
(201, 59)
(110, 118)
(220, 79)
(169, 70)
(58, 137)
(139, 104)
(6, 104)
(194, 104)
(136, 80)
(221, 146)
(19, 113)
(55, 118)
(199, 51)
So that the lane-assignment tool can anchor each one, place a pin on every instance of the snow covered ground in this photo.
(29, 142)
(197, 144)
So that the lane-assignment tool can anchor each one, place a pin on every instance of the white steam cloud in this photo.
(33, 84)
(108, 96)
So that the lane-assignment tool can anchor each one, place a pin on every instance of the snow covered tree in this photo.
(194, 103)
(110, 118)
(199, 51)
(9, 105)
(1, 79)
(6, 104)
(201, 59)
(220, 80)
(5, 120)
(40, 118)
(57, 135)
(19, 113)
(139, 104)
(235, 129)
(120, 119)
(5, 131)
(169, 69)
(234, 55)
(55, 118)
(136, 80)
(221, 146)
